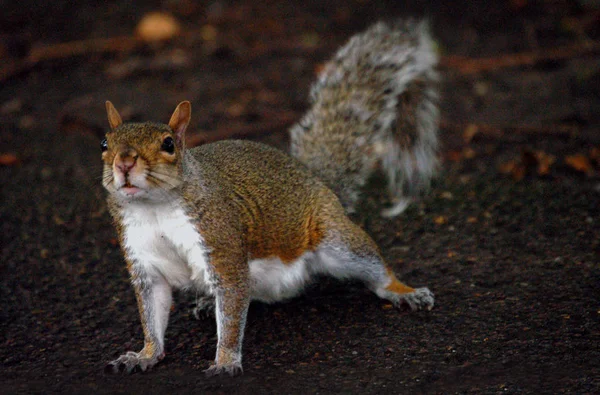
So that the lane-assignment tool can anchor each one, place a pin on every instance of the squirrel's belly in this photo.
(273, 280)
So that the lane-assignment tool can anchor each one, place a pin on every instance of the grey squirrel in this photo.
(239, 221)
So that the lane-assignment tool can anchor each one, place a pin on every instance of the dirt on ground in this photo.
(508, 238)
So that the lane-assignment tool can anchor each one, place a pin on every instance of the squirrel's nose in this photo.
(125, 161)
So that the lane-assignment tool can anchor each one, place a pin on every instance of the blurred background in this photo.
(247, 67)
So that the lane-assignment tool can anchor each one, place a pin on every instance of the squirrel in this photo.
(375, 103)
(239, 221)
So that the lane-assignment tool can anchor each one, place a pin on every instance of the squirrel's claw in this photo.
(421, 298)
(131, 362)
(232, 369)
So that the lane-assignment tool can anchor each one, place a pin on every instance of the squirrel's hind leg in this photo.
(399, 293)
(351, 254)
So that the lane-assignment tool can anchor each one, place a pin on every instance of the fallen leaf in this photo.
(440, 220)
(580, 163)
(158, 26)
(530, 161)
(514, 168)
(470, 132)
(544, 161)
(8, 159)
(468, 153)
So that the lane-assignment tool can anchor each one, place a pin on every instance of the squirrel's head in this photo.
(144, 160)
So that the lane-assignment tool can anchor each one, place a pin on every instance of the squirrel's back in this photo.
(249, 167)
(375, 103)
(276, 195)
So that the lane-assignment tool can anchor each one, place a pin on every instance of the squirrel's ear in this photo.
(114, 119)
(180, 120)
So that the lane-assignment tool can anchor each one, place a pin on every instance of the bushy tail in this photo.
(374, 103)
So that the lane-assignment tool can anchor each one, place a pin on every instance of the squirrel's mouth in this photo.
(130, 190)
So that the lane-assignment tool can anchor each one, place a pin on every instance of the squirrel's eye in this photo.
(104, 145)
(168, 145)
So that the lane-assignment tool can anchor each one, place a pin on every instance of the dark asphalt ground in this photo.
(514, 264)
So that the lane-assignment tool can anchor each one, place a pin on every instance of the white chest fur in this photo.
(161, 240)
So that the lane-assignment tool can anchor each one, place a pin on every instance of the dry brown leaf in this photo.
(468, 153)
(441, 220)
(514, 168)
(158, 26)
(580, 163)
(8, 159)
(470, 131)
(507, 167)
(529, 160)
(544, 161)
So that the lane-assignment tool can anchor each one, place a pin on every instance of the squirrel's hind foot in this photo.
(231, 369)
(419, 299)
(205, 307)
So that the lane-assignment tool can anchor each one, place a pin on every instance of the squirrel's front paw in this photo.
(131, 362)
(421, 298)
(232, 369)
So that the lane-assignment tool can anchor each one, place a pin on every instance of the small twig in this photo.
(83, 47)
(467, 66)
(122, 44)
(67, 50)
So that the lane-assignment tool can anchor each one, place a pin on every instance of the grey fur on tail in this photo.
(374, 103)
